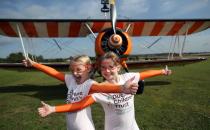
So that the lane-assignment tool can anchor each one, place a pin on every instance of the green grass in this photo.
(178, 102)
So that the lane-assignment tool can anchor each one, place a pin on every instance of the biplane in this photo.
(110, 34)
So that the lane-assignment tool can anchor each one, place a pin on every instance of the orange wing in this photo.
(77, 28)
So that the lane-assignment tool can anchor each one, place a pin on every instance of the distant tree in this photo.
(15, 57)
(38, 58)
(2, 60)
(18, 57)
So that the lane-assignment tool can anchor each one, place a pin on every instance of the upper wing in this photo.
(78, 28)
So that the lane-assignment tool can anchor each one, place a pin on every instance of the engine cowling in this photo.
(120, 43)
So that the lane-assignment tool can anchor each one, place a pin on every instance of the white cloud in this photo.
(4, 41)
(54, 10)
(36, 11)
(91, 8)
(189, 8)
(88, 9)
(6, 13)
(194, 6)
(167, 6)
(133, 7)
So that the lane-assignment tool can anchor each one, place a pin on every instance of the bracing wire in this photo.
(23, 47)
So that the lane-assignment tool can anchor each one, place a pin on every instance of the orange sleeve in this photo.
(50, 71)
(150, 73)
(87, 101)
(105, 88)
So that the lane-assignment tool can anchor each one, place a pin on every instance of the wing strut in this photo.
(57, 44)
(172, 49)
(127, 29)
(183, 44)
(179, 45)
(154, 42)
(169, 54)
(90, 29)
(23, 47)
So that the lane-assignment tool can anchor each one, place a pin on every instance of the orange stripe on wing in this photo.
(120, 25)
(157, 28)
(195, 26)
(138, 28)
(7, 29)
(30, 29)
(175, 29)
(74, 29)
(97, 26)
(52, 29)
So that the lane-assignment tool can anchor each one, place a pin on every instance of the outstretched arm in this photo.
(87, 101)
(46, 69)
(128, 87)
(46, 109)
(152, 73)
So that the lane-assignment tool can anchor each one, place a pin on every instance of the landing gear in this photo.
(141, 87)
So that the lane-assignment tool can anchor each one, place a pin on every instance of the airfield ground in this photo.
(180, 101)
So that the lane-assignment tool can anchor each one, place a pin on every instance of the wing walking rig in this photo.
(113, 34)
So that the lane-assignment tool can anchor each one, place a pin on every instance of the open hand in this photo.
(27, 62)
(166, 71)
(45, 110)
(129, 87)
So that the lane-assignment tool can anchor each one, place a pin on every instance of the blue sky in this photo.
(82, 9)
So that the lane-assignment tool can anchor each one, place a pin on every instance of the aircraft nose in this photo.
(115, 41)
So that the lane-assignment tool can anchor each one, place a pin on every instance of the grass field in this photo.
(178, 102)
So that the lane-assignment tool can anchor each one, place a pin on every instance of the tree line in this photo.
(18, 57)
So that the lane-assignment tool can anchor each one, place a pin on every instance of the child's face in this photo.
(109, 69)
(80, 71)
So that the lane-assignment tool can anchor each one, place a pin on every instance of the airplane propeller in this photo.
(116, 43)
(113, 15)
(116, 40)
(113, 39)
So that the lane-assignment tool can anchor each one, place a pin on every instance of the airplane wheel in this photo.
(141, 87)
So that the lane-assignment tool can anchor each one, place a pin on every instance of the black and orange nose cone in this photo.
(115, 41)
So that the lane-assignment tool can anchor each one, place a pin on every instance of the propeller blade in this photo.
(113, 15)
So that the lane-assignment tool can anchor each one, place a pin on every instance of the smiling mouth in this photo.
(109, 76)
(78, 78)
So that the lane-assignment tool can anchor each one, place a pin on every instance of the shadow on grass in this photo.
(53, 91)
(156, 83)
(41, 92)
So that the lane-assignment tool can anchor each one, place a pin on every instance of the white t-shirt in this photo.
(119, 108)
(79, 120)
